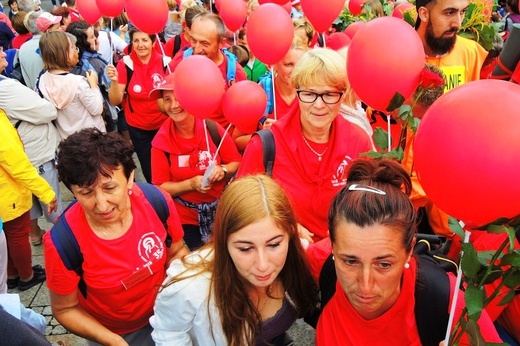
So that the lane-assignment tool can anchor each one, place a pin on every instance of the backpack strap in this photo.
(159, 204)
(266, 83)
(129, 65)
(213, 131)
(269, 149)
(231, 74)
(68, 248)
(432, 295)
(176, 44)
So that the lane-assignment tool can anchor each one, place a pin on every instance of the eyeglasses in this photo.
(329, 98)
(366, 188)
(74, 49)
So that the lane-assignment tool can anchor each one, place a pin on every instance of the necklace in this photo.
(314, 151)
(266, 299)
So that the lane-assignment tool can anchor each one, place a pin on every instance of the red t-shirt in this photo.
(218, 116)
(146, 114)
(20, 39)
(310, 184)
(170, 44)
(109, 263)
(283, 108)
(340, 323)
(188, 157)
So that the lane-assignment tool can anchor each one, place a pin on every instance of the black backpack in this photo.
(67, 245)
(432, 288)
(269, 149)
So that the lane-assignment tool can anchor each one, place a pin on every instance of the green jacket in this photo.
(18, 178)
(258, 70)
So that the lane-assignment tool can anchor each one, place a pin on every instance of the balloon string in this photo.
(111, 43)
(206, 135)
(274, 93)
(389, 132)
(163, 54)
(235, 38)
(221, 141)
(455, 295)
(323, 38)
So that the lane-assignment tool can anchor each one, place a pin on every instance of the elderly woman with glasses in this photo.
(313, 145)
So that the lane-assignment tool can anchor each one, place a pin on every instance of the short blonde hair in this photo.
(320, 66)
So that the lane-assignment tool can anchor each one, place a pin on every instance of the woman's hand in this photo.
(123, 29)
(305, 234)
(92, 79)
(52, 206)
(112, 74)
(196, 184)
(268, 123)
(217, 175)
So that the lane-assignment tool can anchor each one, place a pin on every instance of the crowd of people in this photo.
(230, 236)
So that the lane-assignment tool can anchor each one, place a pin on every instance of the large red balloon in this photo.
(89, 11)
(233, 13)
(321, 13)
(356, 6)
(400, 9)
(385, 57)
(467, 151)
(148, 16)
(353, 28)
(111, 8)
(278, 2)
(270, 33)
(199, 85)
(244, 105)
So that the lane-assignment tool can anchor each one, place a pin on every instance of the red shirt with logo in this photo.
(310, 184)
(189, 157)
(141, 110)
(122, 275)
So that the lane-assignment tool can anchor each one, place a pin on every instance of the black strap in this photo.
(67, 245)
(269, 149)
(176, 44)
(17, 125)
(129, 74)
(432, 295)
(213, 131)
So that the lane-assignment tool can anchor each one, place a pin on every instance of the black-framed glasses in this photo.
(329, 98)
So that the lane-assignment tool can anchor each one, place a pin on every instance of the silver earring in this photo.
(407, 265)
(333, 257)
(129, 192)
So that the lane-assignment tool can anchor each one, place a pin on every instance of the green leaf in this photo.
(493, 276)
(405, 111)
(511, 232)
(507, 298)
(396, 102)
(409, 18)
(415, 126)
(474, 301)
(484, 257)
(512, 280)
(372, 154)
(396, 154)
(512, 259)
(470, 263)
(381, 138)
(456, 227)
(475, 337)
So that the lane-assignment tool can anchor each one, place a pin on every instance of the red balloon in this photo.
(244, 105)
(356, 6)
(111, 8)
(199, 85)
(89, 11)
(384, 58)
(321, 14)
(233, 13)
(270, 21)
(278, 2)
(148, 16)
(353, 28)
(288, 7)
(467, 151)
(400, 9)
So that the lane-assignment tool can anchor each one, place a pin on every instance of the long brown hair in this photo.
(246, 201)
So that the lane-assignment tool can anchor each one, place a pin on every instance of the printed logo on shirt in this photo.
(454, 76)
(339, 178)
(204, 160)
(157, 80)
(150, 248)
